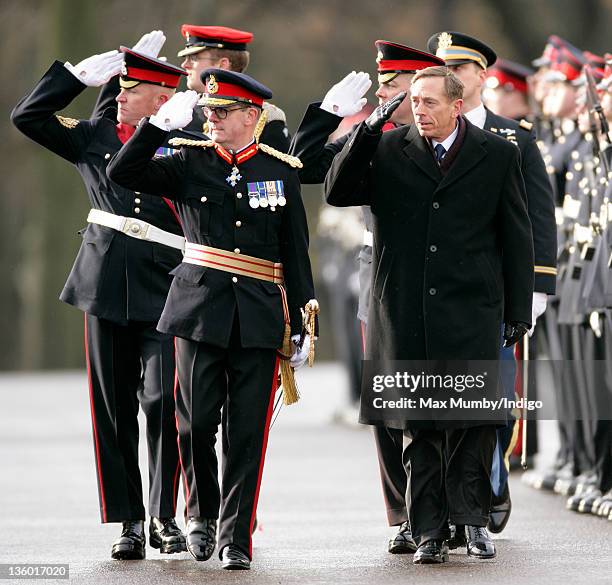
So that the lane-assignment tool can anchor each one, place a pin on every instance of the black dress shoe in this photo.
(233, 559)
(402, 543)
(499, 514)
(165, 535)
(479, 544)
(457, 538)
(431, 552)
(201, 537)
(130, 545)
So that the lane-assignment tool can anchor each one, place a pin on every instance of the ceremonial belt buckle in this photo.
(135, 228)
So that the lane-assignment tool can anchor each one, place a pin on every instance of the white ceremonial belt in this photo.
(368, 238)
(136, 228)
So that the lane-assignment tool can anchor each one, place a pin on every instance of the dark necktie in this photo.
(440, 152)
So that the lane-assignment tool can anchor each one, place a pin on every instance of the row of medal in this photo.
(266, 193)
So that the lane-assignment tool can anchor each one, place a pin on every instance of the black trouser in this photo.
(128, 365)
(245, 380)
(448, 475)
(389, 447)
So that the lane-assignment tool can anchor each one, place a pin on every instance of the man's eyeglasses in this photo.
(197, 57)
(221, 113)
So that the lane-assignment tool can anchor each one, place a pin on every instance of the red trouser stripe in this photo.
(94, 426)
(264, 446)
(178, 434)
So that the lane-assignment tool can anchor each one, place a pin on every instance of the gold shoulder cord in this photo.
(190, 142)
(292, 161)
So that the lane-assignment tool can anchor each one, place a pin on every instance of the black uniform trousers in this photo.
(128, 365)
(245, 380)
(448, 474)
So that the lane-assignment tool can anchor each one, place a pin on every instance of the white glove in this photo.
(538, 306)
(98, 69)
(300, 355)
(150, 44)
(346, 97)
(176, 112)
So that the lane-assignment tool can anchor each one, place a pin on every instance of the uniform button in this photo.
(136, 192)
(234, 279)
(239, 195)
(107, 156)
(272, 208)
(136, 209)
(435, 205)
(237, 250)
(238, 223)
(433, 248)
(432, 291)
(203, 199)
(136, 200)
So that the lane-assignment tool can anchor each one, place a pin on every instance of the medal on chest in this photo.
(266, 193)
(234, 176)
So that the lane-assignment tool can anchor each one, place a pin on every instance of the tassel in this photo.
(290, 390)
(310, 316)
(261, 124)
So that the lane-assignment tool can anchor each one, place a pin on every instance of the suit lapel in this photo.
(471, 153)
(417, 150)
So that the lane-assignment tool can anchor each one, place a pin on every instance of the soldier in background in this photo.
(226, 48)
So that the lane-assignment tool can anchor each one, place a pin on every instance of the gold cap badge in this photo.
(124, 70)
(445, 40)
(212, 86)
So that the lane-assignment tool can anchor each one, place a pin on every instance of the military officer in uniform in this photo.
(428, 174)
(120, 281)
(506, 91)
(245, 225)
(396, 64)
(469, 58)
(226, 48)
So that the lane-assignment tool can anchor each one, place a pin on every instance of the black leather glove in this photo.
(377, 119)
(513, 332)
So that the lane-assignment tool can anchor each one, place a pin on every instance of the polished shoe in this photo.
(165, 535)
(499, 514)
(479, 544)
(457, 538)
(431, 552)
(402, 543)
(233, 559)
(130, 546)
(201, 537)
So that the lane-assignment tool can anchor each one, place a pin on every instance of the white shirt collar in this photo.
(449, 141)
(477, 116)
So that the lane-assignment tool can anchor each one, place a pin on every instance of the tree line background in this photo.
(300, 49)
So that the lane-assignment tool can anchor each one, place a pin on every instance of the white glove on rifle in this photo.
(346, 97)
(150, 44)
(97, 69)
(176, 112)
(300, 354)
(538, 306)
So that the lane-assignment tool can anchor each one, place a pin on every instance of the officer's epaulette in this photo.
(70, 123)
(292, 161)
(525, 125)
(190, 142)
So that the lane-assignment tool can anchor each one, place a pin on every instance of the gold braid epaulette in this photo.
(292, 161)
(190, 142)
(67, 122)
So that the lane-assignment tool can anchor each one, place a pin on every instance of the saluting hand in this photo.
(382, 113)
(346, 97)
(177, 112)
(150, 44)
(97, 69)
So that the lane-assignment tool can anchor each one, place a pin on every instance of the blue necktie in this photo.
(440, 152)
